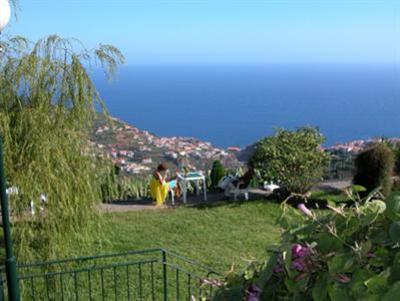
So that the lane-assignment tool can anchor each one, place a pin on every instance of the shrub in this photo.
(374, 168)
(396, 184)
(397, 161)
(292, 158)
(217, 173)
(348, 254)
(116, 185)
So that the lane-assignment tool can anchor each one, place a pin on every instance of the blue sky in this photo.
(222, 31)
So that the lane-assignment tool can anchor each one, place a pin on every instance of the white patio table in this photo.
(195, 177)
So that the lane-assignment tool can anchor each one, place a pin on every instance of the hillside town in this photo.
(359, 145)
(136, 152)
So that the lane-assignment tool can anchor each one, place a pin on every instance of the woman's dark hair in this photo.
(162, 167)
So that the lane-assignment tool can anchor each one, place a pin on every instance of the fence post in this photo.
(10, 262)
(165, 283)
(1, 287)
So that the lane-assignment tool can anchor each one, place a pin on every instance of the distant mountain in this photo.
(245, 154)
(137, 151)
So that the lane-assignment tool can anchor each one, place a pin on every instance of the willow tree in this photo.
(47, 105)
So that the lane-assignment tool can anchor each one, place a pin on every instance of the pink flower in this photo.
(300, 251)
(342, 278)
(371, 255)
(296, 250)
(300, 255)
(305, 210)
(298, 265)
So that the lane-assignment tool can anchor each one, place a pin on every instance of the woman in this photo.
(158, 185)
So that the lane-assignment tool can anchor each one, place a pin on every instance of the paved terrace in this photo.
(147, 204)
(254, 194)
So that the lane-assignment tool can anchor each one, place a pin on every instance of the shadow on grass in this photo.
(228, 203)
(130, 202)
(196, 202)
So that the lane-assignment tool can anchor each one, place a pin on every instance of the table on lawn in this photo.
(195, 177)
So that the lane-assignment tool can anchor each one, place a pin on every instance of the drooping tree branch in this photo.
(47, 103)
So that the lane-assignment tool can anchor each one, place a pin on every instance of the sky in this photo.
(223, 31)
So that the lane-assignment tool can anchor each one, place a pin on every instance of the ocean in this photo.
(237, 105)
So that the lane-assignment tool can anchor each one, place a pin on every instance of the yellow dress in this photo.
(159, 191)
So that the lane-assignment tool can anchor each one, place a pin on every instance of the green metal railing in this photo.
(154, 274)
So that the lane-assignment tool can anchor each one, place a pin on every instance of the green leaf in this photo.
(320, 290)
(381, 257)
(371, 211)
(290, 284)
(378, 283)
(248, 274)
(373, 297)
(395, 269)
(287, 259)
(339, 292)
(378, 236)
(393, 293)
(377, 206)
(393, 207)
(394, 232)
(358, 188)
(340, 264)
(365, 247)
(331, 203)
(358, 288)
(328, 243)
(266, 274)
(348, 227)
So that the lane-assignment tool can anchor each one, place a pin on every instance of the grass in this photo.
(334, 196)
(218, 235)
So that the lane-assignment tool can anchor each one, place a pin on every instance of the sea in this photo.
(236, 105)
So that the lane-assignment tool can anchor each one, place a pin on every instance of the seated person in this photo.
(158, 185)
(242, 182)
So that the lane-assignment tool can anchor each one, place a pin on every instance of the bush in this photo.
(346, 254)
(292, 158)
(397, 161)
(396, 184)
(217, 173)
(374, 168)
(117, 186)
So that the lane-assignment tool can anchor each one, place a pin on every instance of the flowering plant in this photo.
(336, 254)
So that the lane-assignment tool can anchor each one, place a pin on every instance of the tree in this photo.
(47, 105)
(396, 152)
(217, 173)
(374, 168)
(294, 159)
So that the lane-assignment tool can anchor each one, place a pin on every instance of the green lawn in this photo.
(216, 235)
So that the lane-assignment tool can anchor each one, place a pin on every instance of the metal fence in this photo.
(154, 274)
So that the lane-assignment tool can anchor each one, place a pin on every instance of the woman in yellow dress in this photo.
(159, 187)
